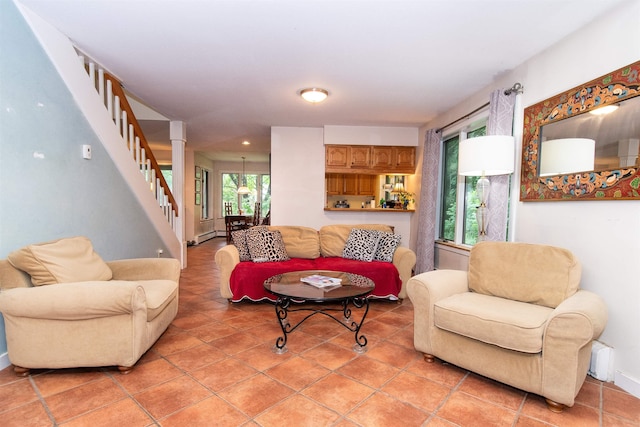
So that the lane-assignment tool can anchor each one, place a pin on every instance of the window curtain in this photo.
(425, 250)
(500, 122)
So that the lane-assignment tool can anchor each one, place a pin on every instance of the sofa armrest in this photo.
(74, 301)
(404, 259)
(226, 259)
(424, 290)
(146, 269)
(566, 344)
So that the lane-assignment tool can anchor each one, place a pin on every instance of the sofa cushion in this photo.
(537, 274)
(61, 261)
(506, 323)
(159, 294)
(239, 238)
(361, 244)
(333, 238)
(387, 246)
(300, 242)
(265, 245)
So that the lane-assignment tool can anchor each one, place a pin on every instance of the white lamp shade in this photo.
(244, 190)
(486, 155)
(566, 155)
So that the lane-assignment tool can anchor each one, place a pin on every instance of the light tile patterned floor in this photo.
(214, 366)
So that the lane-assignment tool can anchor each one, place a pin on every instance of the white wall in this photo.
(605, 235)
(298, 185)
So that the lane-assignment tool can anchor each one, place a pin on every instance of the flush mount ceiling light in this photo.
(314, 94)
(246, 143)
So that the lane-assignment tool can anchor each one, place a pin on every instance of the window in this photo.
(260, 186)
(458, 198)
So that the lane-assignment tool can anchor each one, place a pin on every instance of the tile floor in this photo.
(214, 366)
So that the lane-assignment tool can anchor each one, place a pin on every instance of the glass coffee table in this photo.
(290, 290)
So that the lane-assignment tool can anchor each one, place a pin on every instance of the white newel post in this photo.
(178, 136)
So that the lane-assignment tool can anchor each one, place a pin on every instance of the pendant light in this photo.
(243, 189)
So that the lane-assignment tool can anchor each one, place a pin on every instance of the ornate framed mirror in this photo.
(569, 152)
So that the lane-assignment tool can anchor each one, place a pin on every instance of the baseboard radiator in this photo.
(601, 367)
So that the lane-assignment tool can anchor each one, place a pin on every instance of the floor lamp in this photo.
(485, 156)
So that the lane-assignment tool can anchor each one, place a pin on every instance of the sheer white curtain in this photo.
(500, 122)
(427, 214)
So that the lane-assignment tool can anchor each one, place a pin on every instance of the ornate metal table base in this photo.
(283, 309)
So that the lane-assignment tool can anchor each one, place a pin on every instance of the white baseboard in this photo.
(205, 236)
(4, 360)
(628, 384)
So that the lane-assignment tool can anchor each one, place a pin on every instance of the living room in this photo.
(48, 194)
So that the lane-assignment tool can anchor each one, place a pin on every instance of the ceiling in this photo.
(231, 69)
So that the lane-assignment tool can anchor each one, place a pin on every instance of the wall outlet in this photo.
(160, 252)
(86, 151)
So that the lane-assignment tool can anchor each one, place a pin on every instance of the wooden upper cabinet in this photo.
(337, 156)
(367, 185)
(370, 159)
(360, 156)
(405, 158)
(382, 157)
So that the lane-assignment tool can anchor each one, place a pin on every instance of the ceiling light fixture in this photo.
(243, 189)
(246, 143)
(314, 94)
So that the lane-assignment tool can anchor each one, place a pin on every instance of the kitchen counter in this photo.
(369, 210)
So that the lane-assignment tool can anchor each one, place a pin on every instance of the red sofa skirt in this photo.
(247, 278)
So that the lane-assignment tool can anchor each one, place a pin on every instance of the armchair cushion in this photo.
(159, 294)
(536, 274)
(508, 324)
(61, 261)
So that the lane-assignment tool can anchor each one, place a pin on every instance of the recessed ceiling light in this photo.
(246, 143)
(314, 94)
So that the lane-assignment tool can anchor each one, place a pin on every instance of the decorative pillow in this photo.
(61, 261)
(239, 239)
(265, 245)
(387, 246)
(361, 244)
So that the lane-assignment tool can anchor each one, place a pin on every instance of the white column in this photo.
(178, 136)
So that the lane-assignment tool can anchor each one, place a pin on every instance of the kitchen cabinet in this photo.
(370, 159)
(360, 156)
(394, 159)
(337, 156)
(350, 184)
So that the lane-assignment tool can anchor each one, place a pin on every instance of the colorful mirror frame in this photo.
(616, 184)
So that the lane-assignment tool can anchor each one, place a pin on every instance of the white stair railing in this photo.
(120, 111)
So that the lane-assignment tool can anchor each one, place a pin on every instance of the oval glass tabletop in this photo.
(290, 285)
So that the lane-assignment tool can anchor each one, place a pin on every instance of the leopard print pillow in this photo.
(361, 244)
(387, 246)
(239, 239)
(265, 245)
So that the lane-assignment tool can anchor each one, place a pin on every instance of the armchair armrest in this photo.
(74, 301)
(424, 291)
(571, 328)
(404, 259)
(146, 269)
(226, 258)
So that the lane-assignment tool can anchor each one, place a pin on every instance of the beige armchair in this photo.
(108, 320)
(516, 316)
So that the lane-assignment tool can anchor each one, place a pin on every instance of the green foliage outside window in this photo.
(230, 184)
(449, 209)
